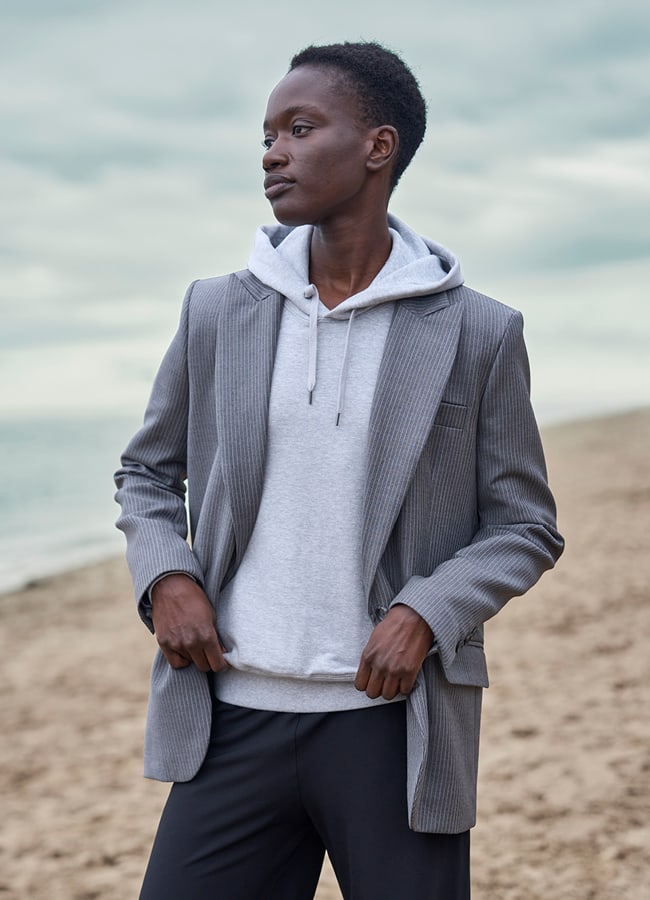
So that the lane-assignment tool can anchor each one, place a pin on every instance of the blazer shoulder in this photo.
(482, 312)
(478, 303)
(207, 298)
(205, 295)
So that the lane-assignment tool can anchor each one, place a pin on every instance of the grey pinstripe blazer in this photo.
(458, 514)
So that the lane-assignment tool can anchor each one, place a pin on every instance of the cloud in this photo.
(130, 160)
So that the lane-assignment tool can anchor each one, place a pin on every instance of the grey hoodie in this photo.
(294, 618)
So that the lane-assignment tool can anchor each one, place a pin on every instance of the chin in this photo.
(292, 219)
(291, 215)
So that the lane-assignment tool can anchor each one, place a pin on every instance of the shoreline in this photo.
(563, 779)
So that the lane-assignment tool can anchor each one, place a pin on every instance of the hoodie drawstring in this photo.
(344, 371)
(310, 293)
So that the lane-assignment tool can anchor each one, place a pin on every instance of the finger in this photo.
(200, 654)
(175, 660)
(214, 655)
(390, 688)
(362, 676)
(375, 685)
(406, 684)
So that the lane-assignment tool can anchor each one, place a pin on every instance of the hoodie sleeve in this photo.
(517, 539)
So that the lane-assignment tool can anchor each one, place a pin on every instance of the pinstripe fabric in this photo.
(458, 515)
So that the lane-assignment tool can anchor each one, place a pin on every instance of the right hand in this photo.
(185, 624)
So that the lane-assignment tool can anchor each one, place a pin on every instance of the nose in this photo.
(275, 156)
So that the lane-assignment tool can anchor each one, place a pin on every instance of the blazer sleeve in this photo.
(517, 539)
(151, 480)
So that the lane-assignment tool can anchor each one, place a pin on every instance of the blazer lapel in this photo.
(245, 351)
(419, 353)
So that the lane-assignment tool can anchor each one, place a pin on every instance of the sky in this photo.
(130, 164)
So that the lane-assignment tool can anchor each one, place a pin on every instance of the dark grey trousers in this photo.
(278, 789)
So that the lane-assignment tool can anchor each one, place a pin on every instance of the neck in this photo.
(345, 259)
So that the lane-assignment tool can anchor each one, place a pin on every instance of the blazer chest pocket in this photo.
(451, 415)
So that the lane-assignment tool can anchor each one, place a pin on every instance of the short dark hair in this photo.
(388, 92)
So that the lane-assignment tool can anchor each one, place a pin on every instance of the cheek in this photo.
(324, 166)
(339, 170)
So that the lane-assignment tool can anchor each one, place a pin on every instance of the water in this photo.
(56, 496)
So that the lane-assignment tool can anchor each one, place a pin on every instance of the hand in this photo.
(394, 654)
(185, 624)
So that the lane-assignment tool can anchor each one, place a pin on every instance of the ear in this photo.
(385, 144)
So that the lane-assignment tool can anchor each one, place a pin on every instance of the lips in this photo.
(275, 184)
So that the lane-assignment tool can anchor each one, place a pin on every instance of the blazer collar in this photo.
(244, 355)
(418, 356)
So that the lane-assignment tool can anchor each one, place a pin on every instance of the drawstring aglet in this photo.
(310, 393)
(338, 419)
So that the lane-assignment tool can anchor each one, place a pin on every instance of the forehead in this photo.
(313, 89)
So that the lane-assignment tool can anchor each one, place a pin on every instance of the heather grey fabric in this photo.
(458, 517)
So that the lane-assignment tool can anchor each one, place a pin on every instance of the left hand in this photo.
(394, 654)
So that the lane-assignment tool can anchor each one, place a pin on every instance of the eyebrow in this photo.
(293, 110)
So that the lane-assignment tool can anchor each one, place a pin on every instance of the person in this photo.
(366, 487)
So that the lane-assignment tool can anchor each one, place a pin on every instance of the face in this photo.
(316, 149)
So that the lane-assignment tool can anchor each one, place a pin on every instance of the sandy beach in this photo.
(564, 796)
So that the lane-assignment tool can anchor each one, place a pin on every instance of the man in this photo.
(366, 487)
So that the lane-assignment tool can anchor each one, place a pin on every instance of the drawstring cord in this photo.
(310, 293)
(344, 371)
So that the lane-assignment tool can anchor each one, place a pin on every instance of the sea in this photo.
(56, 495)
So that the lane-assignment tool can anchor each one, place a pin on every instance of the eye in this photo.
(267, 143)
(299, 130)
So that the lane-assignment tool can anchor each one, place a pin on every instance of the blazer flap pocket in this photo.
(469, 667)
(451, 415)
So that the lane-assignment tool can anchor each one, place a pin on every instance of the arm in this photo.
(151, 492)
(151, 480)
(516, 539)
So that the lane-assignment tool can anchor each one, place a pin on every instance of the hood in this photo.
(416, 267)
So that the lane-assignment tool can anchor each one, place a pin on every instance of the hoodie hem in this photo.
(277, 694)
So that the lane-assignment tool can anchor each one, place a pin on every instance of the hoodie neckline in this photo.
(416, 267)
